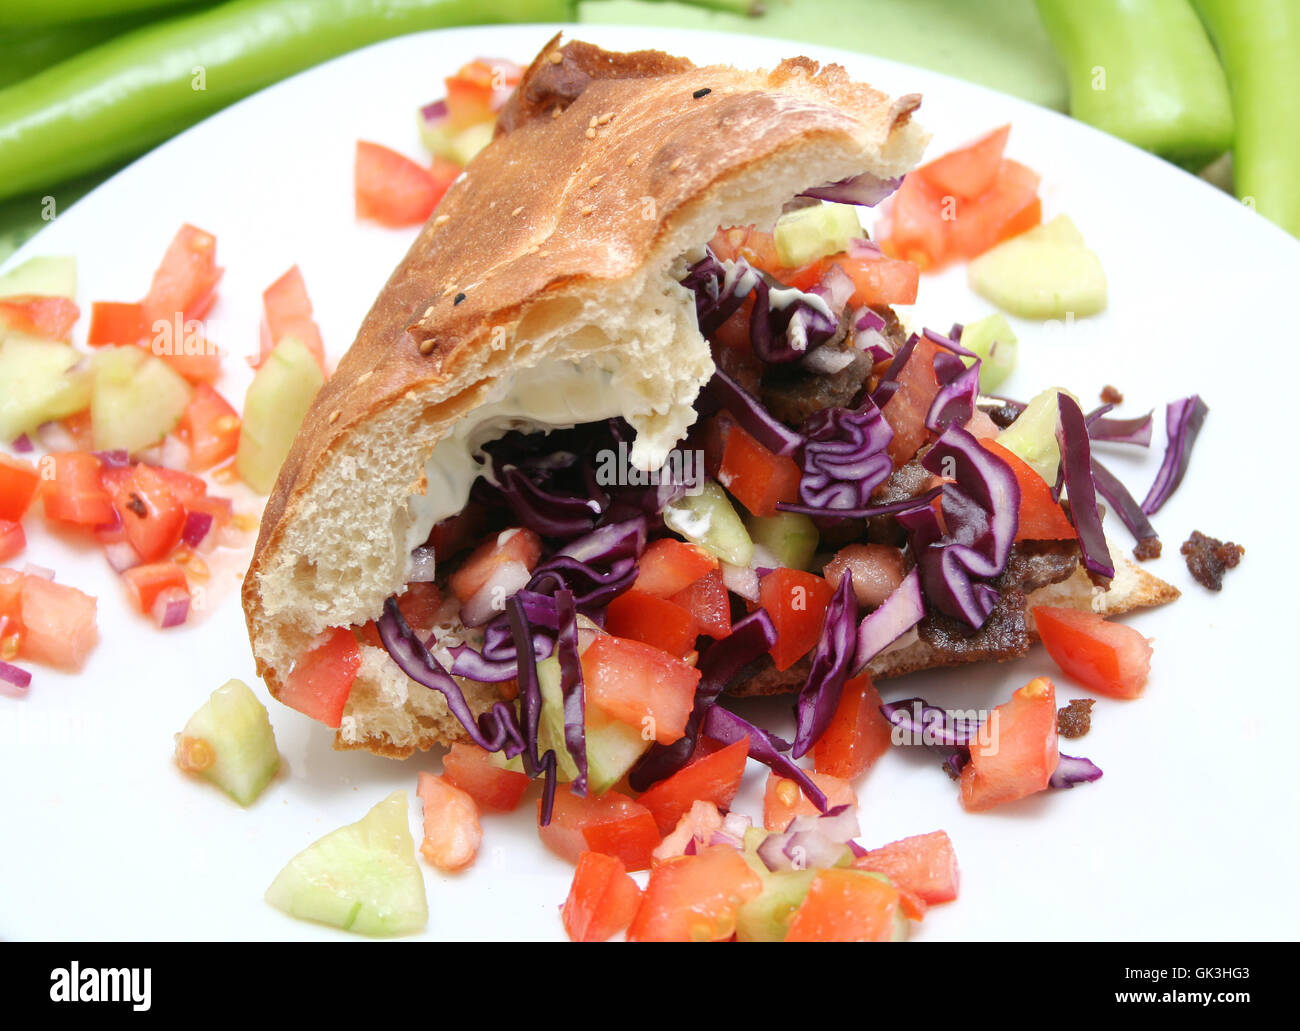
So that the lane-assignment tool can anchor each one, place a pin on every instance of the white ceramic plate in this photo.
(1190, 834)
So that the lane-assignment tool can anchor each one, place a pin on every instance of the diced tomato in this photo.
(858, 733)
(472, 770)
(906, 410)
(797, 602)
(696, 827)
(50, 318)
(924, 864)
(633, 682)
(880, 279)
(711, 778)
(452, 833)
(18, 483)
(1041, 518)
(419, 605)
(653, 621)
(288, 313)
(968, 171)
(783, 799)
(695, 897)
(612, 824)
(668, 566)
(152, 515)
(58, 623)
(709, 603)
(185, 284)
(210, 427)
(935, 217)
(476, 93)
(116, 324)
(517, 544)
(845, 906)
(733, 334)
(195, 359)
(1010, 208)
(602, 901)
(912, 225)
(391, 188)
(146, 582)
(73, 492)
(757, 477)
(322, 679)
(1111, 658)
(12, 539)
(1015, 754)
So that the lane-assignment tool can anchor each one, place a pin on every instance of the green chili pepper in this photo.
(1145, 71)
(115, 100)
(64, 12)
(1259, 44)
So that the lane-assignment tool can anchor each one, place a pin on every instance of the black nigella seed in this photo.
(701, 93)
(457, 299)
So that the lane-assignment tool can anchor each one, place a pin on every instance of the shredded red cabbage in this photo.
(1076, 471)
(1118, 431)
(897, 614)
(832, 661)
(14, 676)
(572, 687)
(495, 731)
(1072, 770)
(927, 724)
(981, 510)
(866, 189)
(530, 707)
(844, 457)
(1125, 505)
(959, 386)
(724, 392)
(1183, 421)
(870, 512)
(888, 384)
(719, 663)
(726, 727)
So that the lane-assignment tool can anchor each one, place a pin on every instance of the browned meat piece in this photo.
(1002, 415)
(792, 393)
(1111, 396)
(944, 641)
(1075, 720)
(745, 367)
(1208, 559)
(1147, 548)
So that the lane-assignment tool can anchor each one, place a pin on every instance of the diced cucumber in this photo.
(361, 878)
(1045, 273)
(806, 234)
(1032, 436)
(612, 747)
(138, 399)
(38, 383)
(550, 730)
(235, 732)
(47, 277)
(612, 750)
(710, 520)
(790, 537)
(766, 917)
(274, 406)
(992, 339)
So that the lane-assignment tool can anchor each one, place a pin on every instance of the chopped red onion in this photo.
(434, 112)
(115, 459)
(172, 607)
(10, 674)
(197, 527)
(23, 445)
(865, 319)
(866, 189)
(489, 600)
(902, 610)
